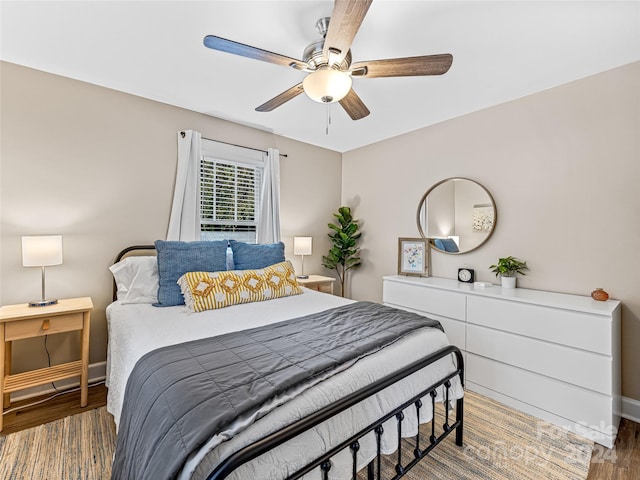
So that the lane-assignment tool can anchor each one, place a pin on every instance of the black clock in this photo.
(466, 275)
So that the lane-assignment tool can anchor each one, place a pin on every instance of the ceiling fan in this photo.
(328, 61)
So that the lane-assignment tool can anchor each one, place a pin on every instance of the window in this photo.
(230, 184)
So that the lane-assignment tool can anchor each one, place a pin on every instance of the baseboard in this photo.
(631, 409)
(97, 373)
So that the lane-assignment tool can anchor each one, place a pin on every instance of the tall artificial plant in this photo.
(343, 255)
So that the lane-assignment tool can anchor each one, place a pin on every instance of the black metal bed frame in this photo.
(123, 253)
(374, 468)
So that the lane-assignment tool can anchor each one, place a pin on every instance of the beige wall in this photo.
(563, 166)
(98, 167)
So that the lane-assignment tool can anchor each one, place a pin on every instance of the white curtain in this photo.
(184, 223)
(269, 220)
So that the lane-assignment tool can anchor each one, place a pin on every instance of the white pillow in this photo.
(136, 279)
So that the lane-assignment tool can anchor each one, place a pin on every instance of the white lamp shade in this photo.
(327, 85)
(42, 250)
(302, 245)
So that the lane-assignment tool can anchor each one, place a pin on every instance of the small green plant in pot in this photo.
(507, 268)
(343, 255)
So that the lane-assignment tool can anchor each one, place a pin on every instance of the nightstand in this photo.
(318, 282)
(18, 322)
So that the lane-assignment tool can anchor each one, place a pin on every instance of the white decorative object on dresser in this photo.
(552, 355)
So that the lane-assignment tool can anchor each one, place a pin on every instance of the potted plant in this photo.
(507, 268)
(343, 255)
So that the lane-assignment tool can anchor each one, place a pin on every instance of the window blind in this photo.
(229, 199)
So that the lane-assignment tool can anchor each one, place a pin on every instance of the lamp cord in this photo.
(38, 402)
(49, 360)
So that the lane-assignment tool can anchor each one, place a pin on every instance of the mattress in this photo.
(139, 328)
(135, 329)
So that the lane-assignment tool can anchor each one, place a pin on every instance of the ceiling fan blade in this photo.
(229, 46)
(346, 18)
(354, 106)
(278, 100)
(404, 67)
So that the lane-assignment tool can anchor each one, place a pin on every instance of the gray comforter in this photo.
(177, 397)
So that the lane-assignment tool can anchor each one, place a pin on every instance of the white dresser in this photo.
(552, 355)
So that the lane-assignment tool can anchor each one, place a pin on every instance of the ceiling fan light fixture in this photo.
(327, 85)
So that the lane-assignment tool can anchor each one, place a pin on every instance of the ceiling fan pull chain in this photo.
(328, 118)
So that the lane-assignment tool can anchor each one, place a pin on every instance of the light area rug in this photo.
(77, 447)
(499, 444)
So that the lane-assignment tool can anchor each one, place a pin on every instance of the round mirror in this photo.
(457, 215)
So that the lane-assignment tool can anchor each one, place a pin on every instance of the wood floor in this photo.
(623, 461)
(619, 463)
(55, 409)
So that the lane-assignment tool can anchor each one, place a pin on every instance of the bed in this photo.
(331, 425)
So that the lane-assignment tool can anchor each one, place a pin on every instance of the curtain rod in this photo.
(235, 145)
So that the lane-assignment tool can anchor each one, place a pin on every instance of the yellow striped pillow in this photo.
(211, 290)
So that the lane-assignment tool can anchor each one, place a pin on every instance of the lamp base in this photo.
(302, 277)
(43, 303)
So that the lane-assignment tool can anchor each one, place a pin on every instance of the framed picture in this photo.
(413, 257)
(482, 217)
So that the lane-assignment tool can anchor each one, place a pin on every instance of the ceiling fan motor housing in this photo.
(313, 52)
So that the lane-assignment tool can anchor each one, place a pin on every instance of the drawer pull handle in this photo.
(45, 325)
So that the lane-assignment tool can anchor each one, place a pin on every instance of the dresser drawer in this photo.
(566, 327)
(578, 367)
(42, 326)
(454, 329)
(570, 402)
(427, 300)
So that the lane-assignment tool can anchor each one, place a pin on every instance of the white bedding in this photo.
(136, 329)
(139, 328)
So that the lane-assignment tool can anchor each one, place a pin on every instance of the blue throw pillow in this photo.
(449, 245)
(250, 256)
(446, 244)
(177, 258)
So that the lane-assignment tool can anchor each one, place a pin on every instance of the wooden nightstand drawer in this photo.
(318, 283)
(42, 326)
(321, 287)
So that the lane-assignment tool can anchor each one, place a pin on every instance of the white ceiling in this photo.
(501, 50)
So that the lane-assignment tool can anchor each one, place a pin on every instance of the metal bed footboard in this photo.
(250, 452)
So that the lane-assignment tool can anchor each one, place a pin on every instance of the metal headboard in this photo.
(124, 253)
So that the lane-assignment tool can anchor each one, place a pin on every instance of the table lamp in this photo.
(302, 246)
(42, 251)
